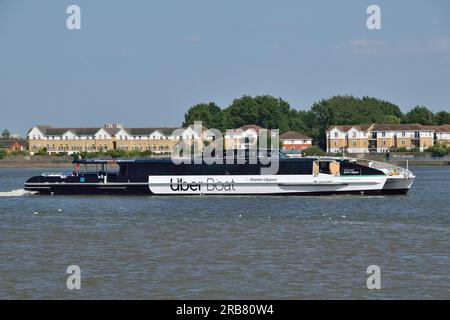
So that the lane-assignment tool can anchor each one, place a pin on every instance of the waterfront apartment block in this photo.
(384, 137)
(109, 137)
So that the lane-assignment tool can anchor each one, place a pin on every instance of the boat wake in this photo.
(16, 193)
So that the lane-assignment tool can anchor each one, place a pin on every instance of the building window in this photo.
(403, 134)
(383, 134)
(354, 143)
(403, 142)
(354, 134)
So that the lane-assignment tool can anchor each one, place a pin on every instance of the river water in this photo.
(226, 247)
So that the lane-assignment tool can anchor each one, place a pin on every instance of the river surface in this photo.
(226, 247)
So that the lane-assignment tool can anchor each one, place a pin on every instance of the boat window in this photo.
(123, 170)
(316, 168)
(334, 168)
(324, 167)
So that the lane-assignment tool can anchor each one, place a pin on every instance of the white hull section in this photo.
(398, 183)
(265, 184)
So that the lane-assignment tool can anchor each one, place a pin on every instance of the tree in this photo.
(313, 151)
(297, 120)
(117, 153)
(2, 153)
(265, 111)
(209, 113)
(348, 110)
(146, 153)
(42, 152)
(6, 134)
(439, 150)
(442, 117)
(421, 115)
(391, 119)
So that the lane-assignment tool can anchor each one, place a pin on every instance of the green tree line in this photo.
(275, 113)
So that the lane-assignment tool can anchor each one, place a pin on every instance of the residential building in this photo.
(441, 133)
(352, 138)
(293, 142)
(244, 137)
(384, 137)
(109, 137)
(408, 136)
(12, 144)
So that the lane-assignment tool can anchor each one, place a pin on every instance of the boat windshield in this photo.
(102, 168)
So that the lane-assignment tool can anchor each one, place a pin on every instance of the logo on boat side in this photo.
(210, 185)
(351, 171)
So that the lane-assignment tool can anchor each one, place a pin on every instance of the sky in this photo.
(143, 63)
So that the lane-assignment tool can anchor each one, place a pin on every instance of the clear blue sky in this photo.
(143, 63)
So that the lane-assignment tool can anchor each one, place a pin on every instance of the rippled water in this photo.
(226, 247)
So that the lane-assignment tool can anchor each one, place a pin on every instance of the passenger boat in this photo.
(295, 176)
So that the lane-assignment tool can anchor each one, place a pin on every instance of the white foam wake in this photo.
(16, 193)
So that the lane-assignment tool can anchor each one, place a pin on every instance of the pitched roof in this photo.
(49, 131)
(251, 126)
(441, 128)
(346, 127)
(147, 131)
(112, 130)
(7, 143)
(290, 135)
(405, 127)
(77, 131)
(391, 127)
(41, 127)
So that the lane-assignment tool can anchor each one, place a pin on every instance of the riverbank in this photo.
(404, 159)
(420, 163)
(36, 162)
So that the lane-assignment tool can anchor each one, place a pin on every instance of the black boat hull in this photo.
(144, 190)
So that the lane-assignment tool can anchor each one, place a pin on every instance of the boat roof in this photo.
(158, 160)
